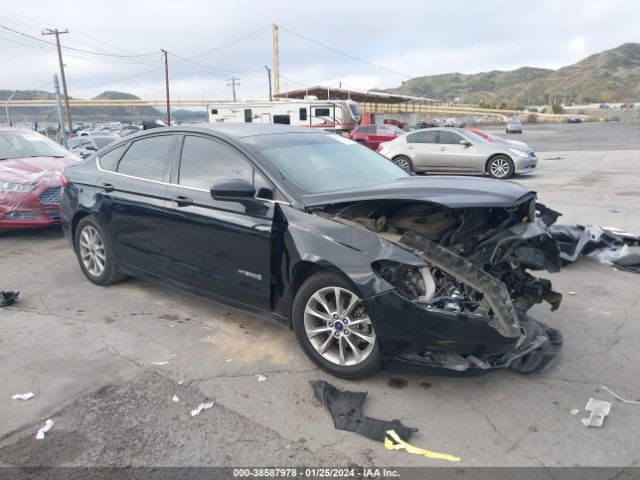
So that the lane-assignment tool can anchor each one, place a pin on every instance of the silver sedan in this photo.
(456, 150)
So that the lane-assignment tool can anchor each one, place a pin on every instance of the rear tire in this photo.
(95, 253)
(404, 162)
(500, 167)
(337, 336)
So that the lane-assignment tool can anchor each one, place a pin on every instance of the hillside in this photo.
(609, 76)
(78, 113)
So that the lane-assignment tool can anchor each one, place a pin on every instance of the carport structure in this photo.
(376, 106)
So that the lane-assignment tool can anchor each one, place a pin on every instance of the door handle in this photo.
(410, 147)
(181, 201)
(107, 187)
(442, 148)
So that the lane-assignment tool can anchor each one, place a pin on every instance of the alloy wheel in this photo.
(499, 167)
(92, 251)
(403, 163)
(338, 327)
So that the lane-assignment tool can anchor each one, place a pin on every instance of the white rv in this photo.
(334, 115)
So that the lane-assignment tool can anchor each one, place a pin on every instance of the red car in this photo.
(31, 168)
(373, 135)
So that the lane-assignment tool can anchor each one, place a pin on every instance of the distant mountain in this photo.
(49, 114)
(609, 76)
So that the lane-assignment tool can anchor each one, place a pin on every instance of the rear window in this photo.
(146, 158)
(422, 137)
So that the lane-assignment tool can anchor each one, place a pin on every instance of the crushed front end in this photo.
(465, 308)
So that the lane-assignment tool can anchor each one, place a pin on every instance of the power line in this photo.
(344, 54)
(88, 52)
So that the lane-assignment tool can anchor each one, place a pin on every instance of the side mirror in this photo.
(90, 147)
(238, 191)
(466, 143)
(232, 189)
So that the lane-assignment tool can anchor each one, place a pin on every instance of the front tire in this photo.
(95, 253)
(333, 328)
(500, 167)
(404, 163)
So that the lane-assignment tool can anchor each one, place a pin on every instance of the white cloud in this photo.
(415, 37)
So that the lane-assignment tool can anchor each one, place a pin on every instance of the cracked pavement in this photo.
(88, 354)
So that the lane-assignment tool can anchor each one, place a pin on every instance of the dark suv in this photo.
(373, 135)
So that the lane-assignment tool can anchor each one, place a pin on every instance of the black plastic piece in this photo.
(8, 298)
(346, 410)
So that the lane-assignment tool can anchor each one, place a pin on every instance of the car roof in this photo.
(16, 129)
(236, 130)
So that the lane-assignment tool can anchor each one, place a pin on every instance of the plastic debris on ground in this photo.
(628, 263)
(201, 407)
(624, 400)
(261, 378)
(393, 442)
(575, 411)
(23, 396)
(606, 244)
(159, 364)
(8, 298)
(47, 426)
(572, 293)
(346, 411)
(175, 398)
(599, 409)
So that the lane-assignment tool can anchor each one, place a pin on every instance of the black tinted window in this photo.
(205, 162)
(422, 137)
(282, 119)
(450, 138)
(322, 112)
(146, 158)
(109, 160)
(248, 116)
(303, 113)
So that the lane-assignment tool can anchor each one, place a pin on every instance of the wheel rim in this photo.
(338, 327)
(403, 163)
(92, 252)
(499, 167)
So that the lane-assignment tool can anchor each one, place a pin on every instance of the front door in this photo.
(219, 247)
(131, 197)
(455, 156)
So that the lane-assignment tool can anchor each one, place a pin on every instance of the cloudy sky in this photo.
(382, 43)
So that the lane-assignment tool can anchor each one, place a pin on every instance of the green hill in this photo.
(610, 76)
(78, 113)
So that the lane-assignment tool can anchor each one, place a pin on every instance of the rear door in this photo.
(422, 149)
(219, 247)
(131, 199)
(453, 155)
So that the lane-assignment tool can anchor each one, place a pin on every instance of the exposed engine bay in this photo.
(477, 264)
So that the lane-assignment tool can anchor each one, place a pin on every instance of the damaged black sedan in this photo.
(368, 264)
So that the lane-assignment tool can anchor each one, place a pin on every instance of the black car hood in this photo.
(452, 192)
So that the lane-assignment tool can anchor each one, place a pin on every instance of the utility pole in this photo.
(57, 33)
(166, 83)
(234, 81)
(269, 77)
(276, 61)
(6, 106)
(56, 87)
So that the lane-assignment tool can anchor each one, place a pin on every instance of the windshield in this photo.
(318, 163)
(474, 137)
(28, 144)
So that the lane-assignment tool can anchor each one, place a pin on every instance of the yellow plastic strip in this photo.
(396, 443)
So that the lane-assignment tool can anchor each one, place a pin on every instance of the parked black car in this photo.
(367, 263)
